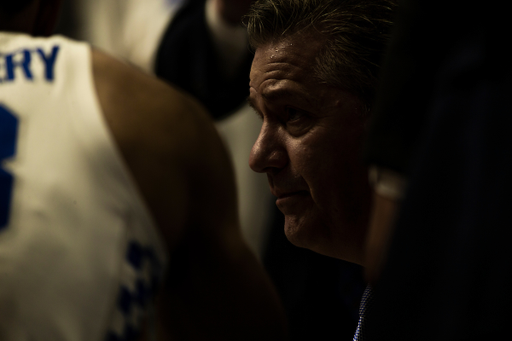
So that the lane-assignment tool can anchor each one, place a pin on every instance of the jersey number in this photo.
(8, 132)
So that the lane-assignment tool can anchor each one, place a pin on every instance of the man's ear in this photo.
(47, 17)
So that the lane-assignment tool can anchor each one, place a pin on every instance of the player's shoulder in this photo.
(123, 85)
(138, 107)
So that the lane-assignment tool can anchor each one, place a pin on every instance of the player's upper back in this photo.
(76, 129)
(71, 216)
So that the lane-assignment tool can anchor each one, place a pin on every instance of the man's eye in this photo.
(294, 114)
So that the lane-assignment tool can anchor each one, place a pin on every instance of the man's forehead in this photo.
(305, 45)
(284, 58)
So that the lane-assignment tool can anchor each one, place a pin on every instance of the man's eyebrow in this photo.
(277, 94)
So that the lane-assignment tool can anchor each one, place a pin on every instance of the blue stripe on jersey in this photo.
(8, 135)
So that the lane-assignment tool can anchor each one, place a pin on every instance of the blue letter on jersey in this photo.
(10, 65)
(49, 61)
(8, 132)
(19, 63)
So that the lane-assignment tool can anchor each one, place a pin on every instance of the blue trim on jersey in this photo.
(135, 255)
(129, 334)
(145, 284)
(125, 301)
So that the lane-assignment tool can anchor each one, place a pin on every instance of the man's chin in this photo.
(308, 232)
(299, 231)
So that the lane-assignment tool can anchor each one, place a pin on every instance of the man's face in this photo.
(309, 146)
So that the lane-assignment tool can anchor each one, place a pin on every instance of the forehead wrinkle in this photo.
(278, 71)
(286, 64)
(279, 58)
(282, 79)
(259, 77)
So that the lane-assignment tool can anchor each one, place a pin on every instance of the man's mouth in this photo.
(291, 201)
(283, 195)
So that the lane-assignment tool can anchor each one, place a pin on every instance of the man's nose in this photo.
(268, 153)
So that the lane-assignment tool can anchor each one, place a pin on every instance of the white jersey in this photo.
(128, 29)
(79, 252)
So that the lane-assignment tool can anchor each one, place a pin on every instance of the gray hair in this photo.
(356, 33)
